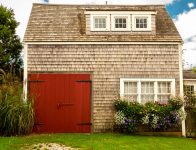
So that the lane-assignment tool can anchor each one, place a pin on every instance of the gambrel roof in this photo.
(53, 23)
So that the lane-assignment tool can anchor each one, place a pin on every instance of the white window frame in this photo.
(100, 16)
(128, 22)
(148, 17)
(122, 80)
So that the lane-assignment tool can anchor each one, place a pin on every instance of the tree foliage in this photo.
(10, 45)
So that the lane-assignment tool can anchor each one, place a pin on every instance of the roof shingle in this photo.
(49, 22)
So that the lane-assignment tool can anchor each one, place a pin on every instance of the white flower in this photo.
(145, 119)
(155, 121)
(181, 114)
(119, 118)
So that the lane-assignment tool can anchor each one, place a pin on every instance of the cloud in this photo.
(186, 26)
(190, 5)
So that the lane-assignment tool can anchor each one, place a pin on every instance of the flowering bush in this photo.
(128, 115)
(156, 116)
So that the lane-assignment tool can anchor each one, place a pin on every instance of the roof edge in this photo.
(128, 5)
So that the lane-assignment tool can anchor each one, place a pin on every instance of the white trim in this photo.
(139, 91)
(25, 78)
(189, 79)
(156, 91)
(149, 20)
(122, 80)
(181, 85)
(120, 12)
(100, 16)
(128, 23)
(103, 43)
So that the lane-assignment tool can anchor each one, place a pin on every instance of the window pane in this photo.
(164, 87)
(131, 98)
(163, 98)
(141, 22)
(120, 23)
(188, 89)
(99, 22)
(137, 21)
(147, 98)
(130, 87)
(124, 25)
(147, 87)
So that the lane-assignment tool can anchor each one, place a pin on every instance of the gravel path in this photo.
(51, 146)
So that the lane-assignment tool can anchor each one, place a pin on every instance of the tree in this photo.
(10, 45)
(194, 69)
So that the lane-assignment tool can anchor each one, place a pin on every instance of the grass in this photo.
(101, 142)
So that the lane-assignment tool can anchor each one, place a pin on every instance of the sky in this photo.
(183, 13)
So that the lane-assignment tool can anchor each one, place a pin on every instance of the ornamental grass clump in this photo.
(155, 116)
(16, 116)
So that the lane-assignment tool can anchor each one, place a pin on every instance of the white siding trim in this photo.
(189, 79)
(98, 43)
(120, 12)
(181, 86)
(139, 91)
(25, 78)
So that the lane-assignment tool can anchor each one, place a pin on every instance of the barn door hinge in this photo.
(84, 81)
(36, 81)
(85, 123)
(38, 124)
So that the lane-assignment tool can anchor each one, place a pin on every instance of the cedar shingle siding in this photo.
(107, 63)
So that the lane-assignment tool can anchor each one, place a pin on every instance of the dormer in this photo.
(132, 22)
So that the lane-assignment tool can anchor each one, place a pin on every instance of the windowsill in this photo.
(141, 30)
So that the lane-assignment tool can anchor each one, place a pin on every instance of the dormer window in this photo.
(115, 21)
(120, 22)
(100, 23)
(141, 22)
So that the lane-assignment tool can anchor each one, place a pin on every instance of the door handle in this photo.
(59, 105)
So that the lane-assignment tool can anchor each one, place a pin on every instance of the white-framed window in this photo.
(145, 90)
(189, 89)
(120, 22)
(141, 22)
(100, 22)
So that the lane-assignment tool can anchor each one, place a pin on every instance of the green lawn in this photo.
(101, 142)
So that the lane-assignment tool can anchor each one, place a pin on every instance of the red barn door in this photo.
(62, 102)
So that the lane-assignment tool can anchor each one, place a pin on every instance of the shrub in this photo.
(128, 115)
(157, 117)
(175, 103)
(16, 116)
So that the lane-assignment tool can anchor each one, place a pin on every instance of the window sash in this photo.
(100, 22)
(120, 23)
(141, 23)
(189, 89)
(148, 89)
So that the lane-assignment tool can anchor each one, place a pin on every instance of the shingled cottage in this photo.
(79, 58)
